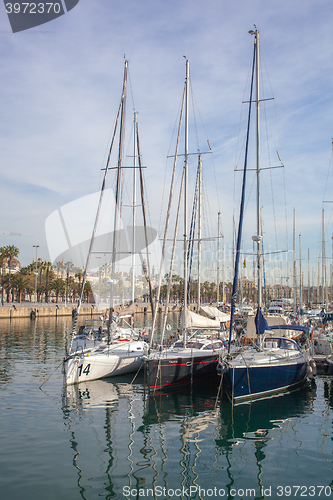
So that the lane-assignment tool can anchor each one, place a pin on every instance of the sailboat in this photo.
(109, 353)
(274, 364)
(191, 358)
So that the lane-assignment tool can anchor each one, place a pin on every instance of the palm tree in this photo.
(58, 287)
(20, 283)
(60, 267)
(49, 269)
(11, 252)
(87, 290)
(3, 261)
(79, 275)
(68, 266)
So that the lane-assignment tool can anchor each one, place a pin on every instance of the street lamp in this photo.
(36, 246)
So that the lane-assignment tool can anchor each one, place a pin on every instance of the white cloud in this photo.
(61, 85)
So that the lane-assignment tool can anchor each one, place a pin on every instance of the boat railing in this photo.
(79, 352)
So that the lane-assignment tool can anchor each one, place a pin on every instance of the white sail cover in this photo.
(215, 313)
(194, 320)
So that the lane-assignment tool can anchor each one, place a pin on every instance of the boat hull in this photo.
(244, 383)
(110, 363)
(174, 371)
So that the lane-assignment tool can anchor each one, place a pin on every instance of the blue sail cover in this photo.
(299, 328)
(260, 322)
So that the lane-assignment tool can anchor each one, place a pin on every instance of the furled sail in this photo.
(214, 313)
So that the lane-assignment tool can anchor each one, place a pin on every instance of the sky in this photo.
(60, 90)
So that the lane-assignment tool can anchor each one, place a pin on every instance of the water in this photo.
(109, 439)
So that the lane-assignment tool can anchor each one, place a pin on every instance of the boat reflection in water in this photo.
(127, 442)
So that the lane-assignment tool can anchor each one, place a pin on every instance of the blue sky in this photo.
(61, 84)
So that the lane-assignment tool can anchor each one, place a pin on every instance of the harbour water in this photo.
(110, 439)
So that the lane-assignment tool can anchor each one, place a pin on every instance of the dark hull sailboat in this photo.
(279, 366)
(193, 358)
(274, 364)
(177, 367)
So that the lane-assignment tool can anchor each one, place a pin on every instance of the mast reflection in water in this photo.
(109, 439)
(185, 443)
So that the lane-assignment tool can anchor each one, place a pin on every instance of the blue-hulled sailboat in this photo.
(273, 364)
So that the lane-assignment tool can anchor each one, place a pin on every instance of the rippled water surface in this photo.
(108, 439)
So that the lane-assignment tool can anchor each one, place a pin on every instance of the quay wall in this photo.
(15, 310)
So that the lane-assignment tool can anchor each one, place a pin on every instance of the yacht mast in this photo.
(186, 190)
(134, 210)
(106, 170)
(259, 235)
(323, 262)
(241, 213)
(294, 265)
(218, 258)
(300, 275)
(117, 201)
(199, 235)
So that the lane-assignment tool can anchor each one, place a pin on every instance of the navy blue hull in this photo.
(328, 367)
(167, 373)
(242, 383)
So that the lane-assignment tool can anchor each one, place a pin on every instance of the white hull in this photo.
(117, 359)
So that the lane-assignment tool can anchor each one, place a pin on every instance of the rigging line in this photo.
(203, 126)
(95, 224)
(172, 259)
(237, 159)
(144, 220)
(192, 233)
(270, 172)
(328, 173)
(280, 155)
(207, 209)
(162, 211)
(168, 214)
(131, 90)
(241, 217)
(194, 118)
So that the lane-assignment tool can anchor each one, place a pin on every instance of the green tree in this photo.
(3, 262)
(58, 286)
(48, 279)
(69, 267)
(87, 290)
(20, 283)
(12, 252)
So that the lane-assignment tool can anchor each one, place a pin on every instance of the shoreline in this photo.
(32, 310)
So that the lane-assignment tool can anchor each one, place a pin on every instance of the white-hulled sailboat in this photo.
(108, 353)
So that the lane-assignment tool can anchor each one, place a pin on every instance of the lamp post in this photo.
(36, 246)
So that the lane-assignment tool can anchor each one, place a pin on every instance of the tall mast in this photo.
(241, 215)
(323, 261)
(84, 278)
(294, 264)
(300, 274)
(259, 235)
(186, 189)
(199, 235)
(134, 209)
(309, 287)
(116, 212)
(218, 258)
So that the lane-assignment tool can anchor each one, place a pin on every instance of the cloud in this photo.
(61, 87)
